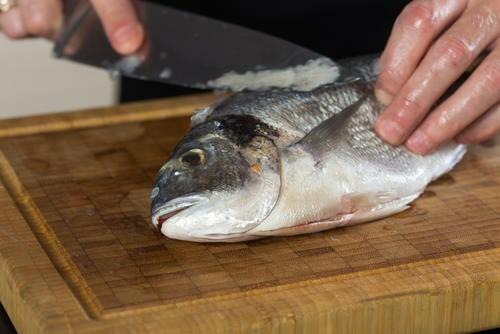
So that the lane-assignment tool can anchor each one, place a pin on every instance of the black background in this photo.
(337, 29)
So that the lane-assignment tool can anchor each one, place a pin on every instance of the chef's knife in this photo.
(180, 48)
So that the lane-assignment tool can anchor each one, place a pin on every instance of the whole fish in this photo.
(282, 162)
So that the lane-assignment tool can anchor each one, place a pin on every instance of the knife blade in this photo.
(180, 48)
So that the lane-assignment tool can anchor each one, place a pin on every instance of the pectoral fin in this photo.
(323, 138)
(368, 207)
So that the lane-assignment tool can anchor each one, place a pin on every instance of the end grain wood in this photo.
(445, 278)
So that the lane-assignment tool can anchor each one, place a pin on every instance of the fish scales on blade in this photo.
(282, 162)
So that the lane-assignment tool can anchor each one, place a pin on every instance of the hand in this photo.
(432, 44)
(44, 18)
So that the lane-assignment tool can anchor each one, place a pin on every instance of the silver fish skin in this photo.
(282, 162)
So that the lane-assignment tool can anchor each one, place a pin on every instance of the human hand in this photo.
(43, 18)
(432, 44)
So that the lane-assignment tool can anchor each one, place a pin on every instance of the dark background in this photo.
(334, 28)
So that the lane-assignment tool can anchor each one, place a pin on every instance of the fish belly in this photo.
(339, 191)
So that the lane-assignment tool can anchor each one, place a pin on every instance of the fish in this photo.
(282, 162)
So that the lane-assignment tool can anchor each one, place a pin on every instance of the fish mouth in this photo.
(173, 208)
(164, 217)
(163, 214)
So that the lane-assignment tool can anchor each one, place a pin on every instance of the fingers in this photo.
(12, 25)
(485, 128)
(446, 60)
(44, 18)
(121, 24)
(414, 30)
(476, 96)
(41, 18)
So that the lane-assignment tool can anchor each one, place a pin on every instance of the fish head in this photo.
(221, 180)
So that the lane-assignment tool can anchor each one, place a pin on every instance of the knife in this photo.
(180, 48)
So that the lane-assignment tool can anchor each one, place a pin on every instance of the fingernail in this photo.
(128, 38)
(418, 143)
(383, 97)
(390, 131)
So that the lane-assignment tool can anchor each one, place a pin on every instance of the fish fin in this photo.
(366, 67)
(227, 238)
(310, 227)
(355, 202)
(323, 137)
(448, 161)
(384, 206)
(200, 115)
(364, 216)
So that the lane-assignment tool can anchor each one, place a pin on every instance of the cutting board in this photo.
(78, 254)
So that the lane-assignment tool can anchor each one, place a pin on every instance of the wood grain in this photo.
(77, 252)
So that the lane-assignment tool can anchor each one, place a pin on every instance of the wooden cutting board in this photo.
(78, 255)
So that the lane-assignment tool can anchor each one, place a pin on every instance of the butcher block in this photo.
(78, 253)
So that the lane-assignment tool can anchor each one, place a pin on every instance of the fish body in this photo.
(282, 162)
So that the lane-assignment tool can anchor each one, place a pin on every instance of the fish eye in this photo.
(194, 157)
